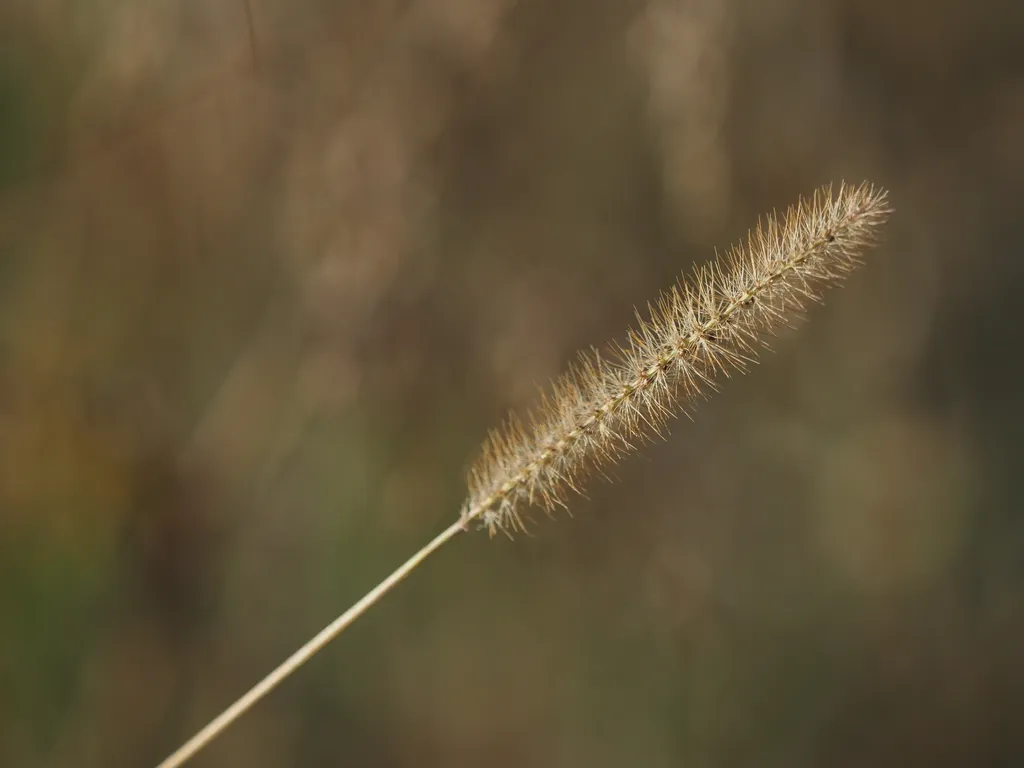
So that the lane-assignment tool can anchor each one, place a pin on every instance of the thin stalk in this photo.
(301, 656)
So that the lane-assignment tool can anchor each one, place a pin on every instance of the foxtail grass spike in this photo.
(706, 325)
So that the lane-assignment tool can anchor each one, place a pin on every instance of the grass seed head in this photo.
(709, 324)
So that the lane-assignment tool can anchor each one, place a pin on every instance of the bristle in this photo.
(706, 325)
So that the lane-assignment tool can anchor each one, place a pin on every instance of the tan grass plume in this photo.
(707, 324)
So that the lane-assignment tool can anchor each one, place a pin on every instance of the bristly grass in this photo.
(707, 324)
(597, 411)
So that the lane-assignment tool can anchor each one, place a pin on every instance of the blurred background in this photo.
(269, 270)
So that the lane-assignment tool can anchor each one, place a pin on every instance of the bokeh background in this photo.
(269, 270)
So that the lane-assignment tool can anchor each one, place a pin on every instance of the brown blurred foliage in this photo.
(269, 270)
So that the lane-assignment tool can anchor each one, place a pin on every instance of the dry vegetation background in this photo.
(268, 271)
